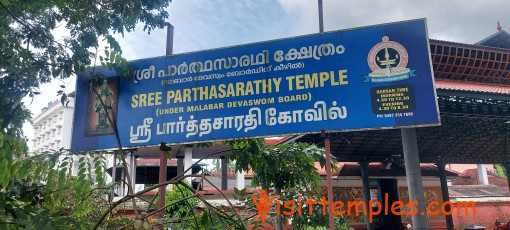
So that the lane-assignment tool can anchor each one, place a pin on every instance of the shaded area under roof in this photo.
(473, 130)
(147, 171)
(389, 170)
(216, 151)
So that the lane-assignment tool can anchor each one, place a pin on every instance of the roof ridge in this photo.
(492, 36)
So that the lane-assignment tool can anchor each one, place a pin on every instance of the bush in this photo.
(179, 209)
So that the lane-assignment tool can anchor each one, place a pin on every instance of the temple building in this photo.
(473, 92)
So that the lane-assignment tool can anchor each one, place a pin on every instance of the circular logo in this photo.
(387, 55)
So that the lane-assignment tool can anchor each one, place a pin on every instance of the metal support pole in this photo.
(180, 165)
(331, 217)
(446, 195)
(122, 181)
(366, 191)
(163, 159)
(413, 175)
(224, 173)
(321, 21)
(327, 146)
(169, 39)
(132, 166)
(163, 155)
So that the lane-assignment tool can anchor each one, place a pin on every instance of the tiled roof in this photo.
(322, 171)
(376, 169)
(384, 169)
(276, 140)
(501, 39)
(476, 191)
(460, 44)
(153, 162)
(470, 177)
(230, 175)
(472, 87)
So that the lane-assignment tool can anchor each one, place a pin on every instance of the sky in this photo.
(205, 24)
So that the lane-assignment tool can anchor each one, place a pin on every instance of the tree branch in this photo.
(168, 205)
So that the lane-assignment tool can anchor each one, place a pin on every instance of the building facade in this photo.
(52, 127)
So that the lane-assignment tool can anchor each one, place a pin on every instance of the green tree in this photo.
(42, 194)
(217, 166)
(287, 168)
(32, 54)
(181, 208)
(500, 171)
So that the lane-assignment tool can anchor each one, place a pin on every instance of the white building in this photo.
(53, 126)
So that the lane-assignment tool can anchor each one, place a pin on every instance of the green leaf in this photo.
(204, 220)
(112, 56)
(62, 174)
(82, 171)
(64, 164)
(24, 168)
(4, 174)
(6, 2)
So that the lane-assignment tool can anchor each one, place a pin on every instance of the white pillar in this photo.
(240, 180)
(122, 185)
(131, 165)
(134, 172)
(482, 174)
(114, 175)
(188, 161)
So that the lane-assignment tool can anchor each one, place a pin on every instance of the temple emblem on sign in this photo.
(388, 61)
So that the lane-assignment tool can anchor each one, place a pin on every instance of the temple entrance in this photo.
(389, 187)
(378, 190)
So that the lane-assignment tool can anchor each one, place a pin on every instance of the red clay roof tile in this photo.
(472, 86)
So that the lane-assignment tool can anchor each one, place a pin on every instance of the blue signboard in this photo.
(373, 77)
